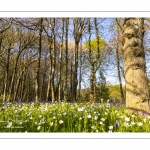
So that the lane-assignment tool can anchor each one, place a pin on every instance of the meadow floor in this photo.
(67, 117)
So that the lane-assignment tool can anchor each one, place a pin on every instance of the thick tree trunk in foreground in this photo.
(137, 94)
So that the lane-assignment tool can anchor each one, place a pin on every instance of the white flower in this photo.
(101, 123)
(107, 105)
(51, 123)
(144, 119)
(116, 111)
(93, 127)
(133, 116)
(40, 116)
(102, 119)
(9, 125)
(140, 124)
(96, 117)
(42, 120)
(127, 119)
(28, 114)
(80, 109)
(31, 117)
(110, 127)
(15, 111)
(61, 121)
(80, 118)
(20, 122)
(121, 116)
(89, 116)
(110, 131)
(54, 117)
(132, 123)
(39, 127)
(126, 124)
(106, 113)
(36, 122)
(148, 117)
(64, 113)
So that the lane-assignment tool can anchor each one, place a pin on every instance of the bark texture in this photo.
(137, 93)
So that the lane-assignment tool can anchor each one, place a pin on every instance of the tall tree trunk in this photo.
(137, 93)
(53, 63)
(80, 72)
(48, 93)
(119, 74)
(92, 84)
(13, 76)
(60, 62)
(74, 71)
(93, 61)
(39, 62)
(23, 85)
(19, 80)
(43, 93)
(66, 59)
(71, 78)
(79, 26)
(6, 76)
(92, 75)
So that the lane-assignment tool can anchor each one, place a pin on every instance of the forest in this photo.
(83, 66)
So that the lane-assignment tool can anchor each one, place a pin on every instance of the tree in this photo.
(95, 49)
(66, 24)
(117, 47)
(102, 90)
(137, 94)
(79, 27)
(38, 89)
(60, 62)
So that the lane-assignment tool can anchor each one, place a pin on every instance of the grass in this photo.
(66, 117)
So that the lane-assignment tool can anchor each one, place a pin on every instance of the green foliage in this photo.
(102, 45)
(114, 92)
(102, 92)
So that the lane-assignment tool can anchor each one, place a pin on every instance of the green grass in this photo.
(65, 117)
